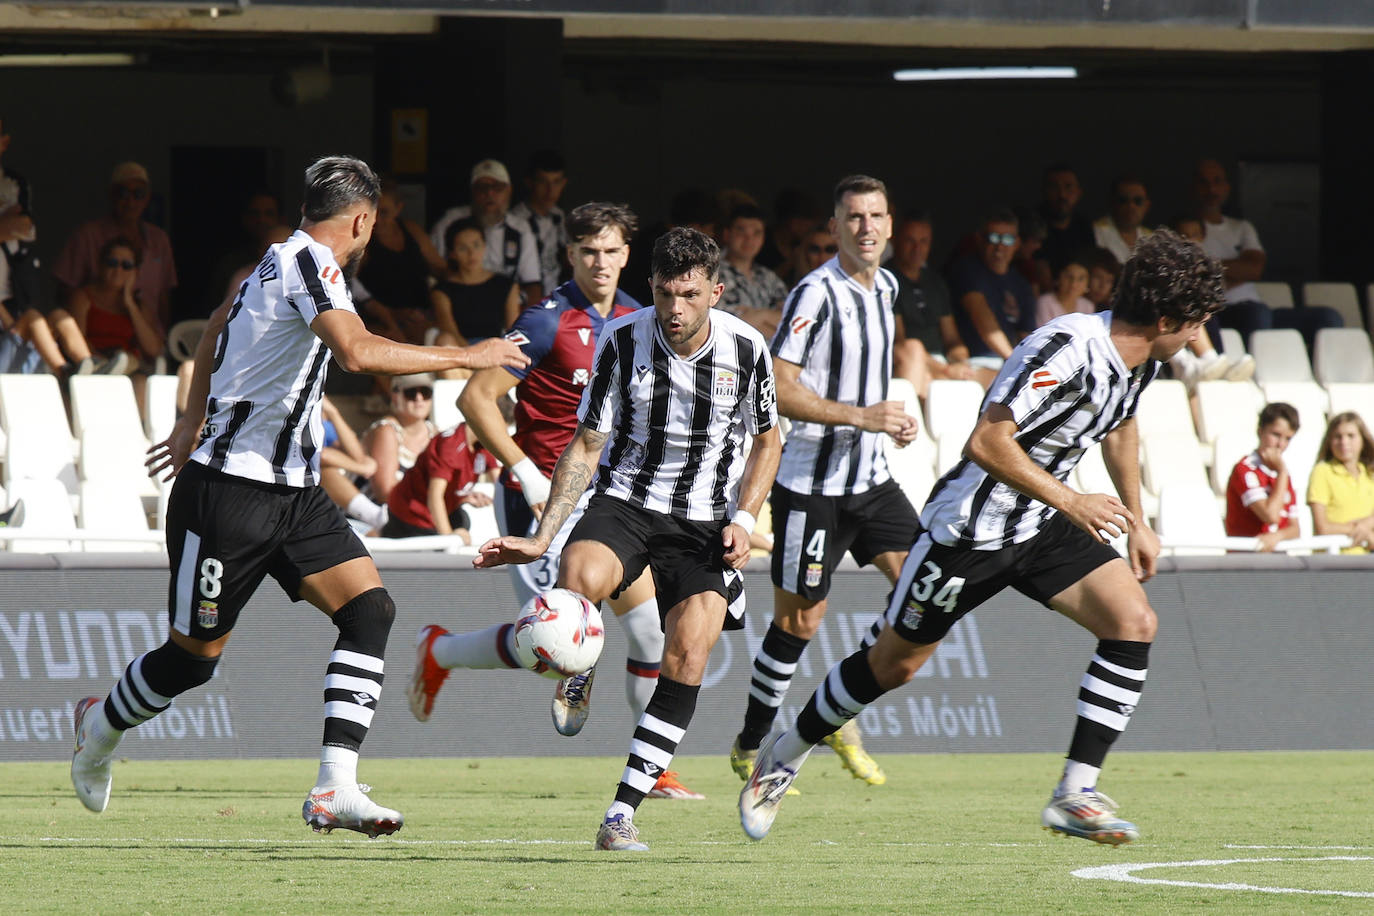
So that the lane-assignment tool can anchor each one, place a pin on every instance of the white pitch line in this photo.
(493, 841)
(1124, 872)
(1316, 848)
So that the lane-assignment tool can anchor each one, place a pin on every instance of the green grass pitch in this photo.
(1265, 832)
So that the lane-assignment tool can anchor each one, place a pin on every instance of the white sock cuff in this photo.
(643, 631)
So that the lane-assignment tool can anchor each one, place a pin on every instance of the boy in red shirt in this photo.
(1260, 501)
(431, 496)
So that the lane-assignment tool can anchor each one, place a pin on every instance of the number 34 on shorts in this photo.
(930, 588)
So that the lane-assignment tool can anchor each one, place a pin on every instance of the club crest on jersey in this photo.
(1043, 378)
(727, 384)
(813, 574)
(331, 274)
(207, 615)
(582, 377)
(584, 335)
(801, 323)
(517, 337)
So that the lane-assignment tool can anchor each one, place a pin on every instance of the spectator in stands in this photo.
(995, 305)
(930, 346)
(1190, 227)
(342, 450)
(752, 291)
(1341, 488)
(1260, 501)
(431, 496)
(545, 180)
(1032, 229)
(1066, 232)
(80, 262)
(1103, 271)
(1236, 244)
(1200, 361)
(1124, 224)
(694, 208)
(19, 287)
(111, 318)
(471, 303)
(511, 246)
(396, 271)
(1069, 294)
(261, 214)
(797, 213)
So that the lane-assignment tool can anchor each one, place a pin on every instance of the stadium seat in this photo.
(114, 457)
(483, 519)
(1229, 448)
(1189, 513)
(105, 402)
(1169, 459)
(1227, 407)
(444, 410)
(111, 509)
(38, 442)
(1275, 295)
(1353, 397)
(952, 407)
(159, 406)
(47, 510)
(183, 338)
(1339, 296)
(1164, 410)
(1343, 355)
(1309, 398)
(1232, 343)
(913, 466)
(1280, 356)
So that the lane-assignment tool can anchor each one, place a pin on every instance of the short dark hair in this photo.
(546, 160)
(1168, 277)
(916, 215)
(1054, 168)
(746, 211)
(1128, 178)
(859, 184)
(591, 218)
(1278, 410)
(1029, 223)
(119, 241)
(459, 226)
(682, 250)
(1100, 259)
(1000, 215)
(335, 183)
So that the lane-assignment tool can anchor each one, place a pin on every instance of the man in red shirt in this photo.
(431, 496)
(1260, 501)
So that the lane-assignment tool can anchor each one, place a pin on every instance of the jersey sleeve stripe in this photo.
(310, 276)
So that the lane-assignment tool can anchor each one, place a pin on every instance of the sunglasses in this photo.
(419, 391)
(120, 263)
(1002, 238)
(1137, 199)
(126, 193)
(818, 249)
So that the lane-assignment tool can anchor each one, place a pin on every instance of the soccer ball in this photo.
(559, 634)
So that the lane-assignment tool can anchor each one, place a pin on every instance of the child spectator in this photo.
(1103, 269)
(1069, 294)
(471, 303)
(1341, 488)
(430, 497)
(1260, 501)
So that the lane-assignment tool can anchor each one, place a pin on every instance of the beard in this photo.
(353, 262)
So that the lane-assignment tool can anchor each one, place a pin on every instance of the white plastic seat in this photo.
(1227, 407)
(482, 519)
(105, 402)
(1275, 294)
(1170, 459)
(1342, 355)
(1339, 296)
(913, 467)
(1226, 451)
(1280, 356)
(114, 458)
(108, 509)
(47, 510)
(1310, 399)
(1358, 398)
(952, 407)
(1189, 513)
(38, 442)
(1232, 344)
(444, 410)
(183, 338)
(159, 406)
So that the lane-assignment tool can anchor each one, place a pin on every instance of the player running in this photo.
(1003, 516)
(560, 337)
(247, 503)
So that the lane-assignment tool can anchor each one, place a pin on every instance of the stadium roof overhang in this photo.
(1177, 25)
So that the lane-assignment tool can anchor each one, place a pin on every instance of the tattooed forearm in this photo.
(571, 477)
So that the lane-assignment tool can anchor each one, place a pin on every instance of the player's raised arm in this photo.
(359, 350)
(479, 405)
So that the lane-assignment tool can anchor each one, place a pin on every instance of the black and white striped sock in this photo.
(1107, 696)
(846, 691)
(774, 667)
(655, 741)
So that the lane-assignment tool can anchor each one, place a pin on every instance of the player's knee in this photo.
(801, 622)
(365, 622)
(1136, 622)
(171, 670)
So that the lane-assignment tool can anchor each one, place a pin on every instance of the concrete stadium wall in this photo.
(1254, 654)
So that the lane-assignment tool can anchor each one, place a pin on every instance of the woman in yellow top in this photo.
(1341, 488)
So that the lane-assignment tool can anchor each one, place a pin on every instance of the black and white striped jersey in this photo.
(678, 424)
(841, 335)
(262, 419)
(1067, 388)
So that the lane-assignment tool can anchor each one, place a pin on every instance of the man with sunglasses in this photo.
(1123, 225)
(247, 501)
(78, 263)
(995, 304)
